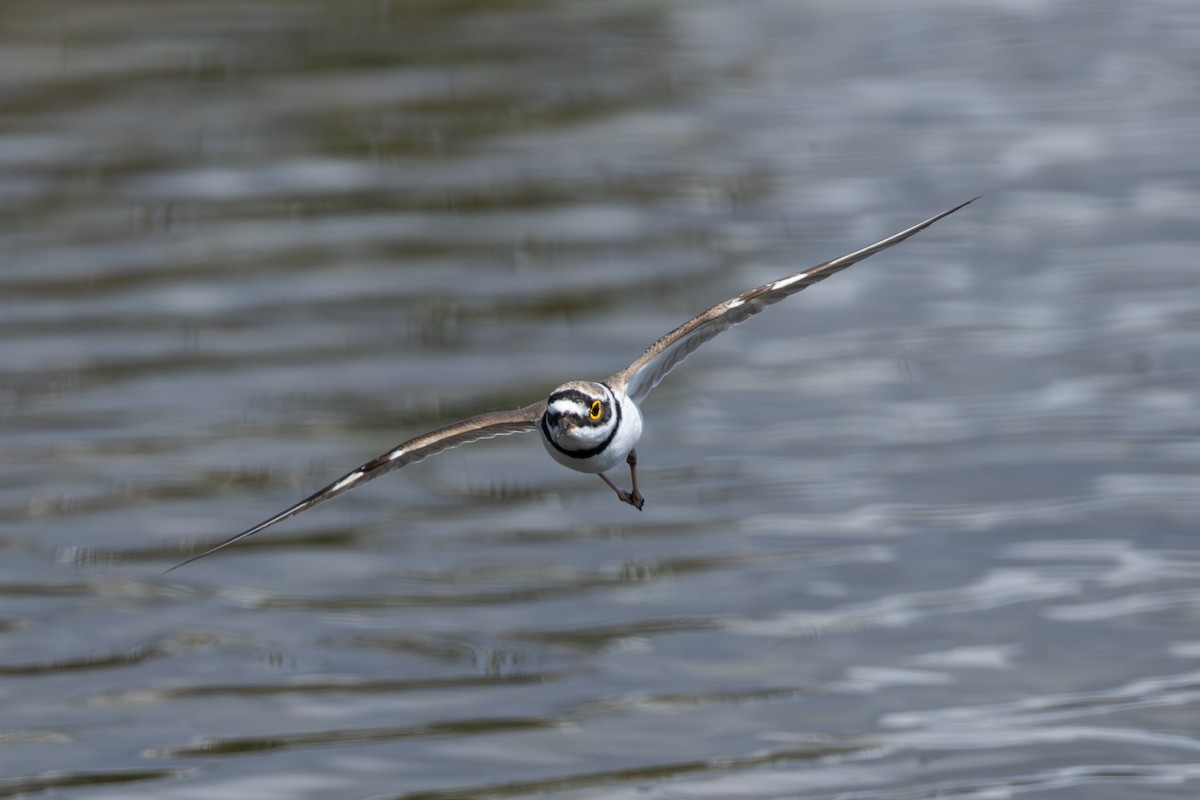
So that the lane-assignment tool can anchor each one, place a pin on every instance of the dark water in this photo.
(927, 530)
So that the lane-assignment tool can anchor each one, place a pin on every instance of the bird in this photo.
(589, 426)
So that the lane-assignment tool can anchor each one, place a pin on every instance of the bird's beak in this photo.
(561, 427)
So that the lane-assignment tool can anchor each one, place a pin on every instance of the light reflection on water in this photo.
(925, 530)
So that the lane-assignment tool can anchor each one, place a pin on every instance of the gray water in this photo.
(928, 529)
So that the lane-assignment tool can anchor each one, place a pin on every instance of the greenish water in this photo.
(928, 529)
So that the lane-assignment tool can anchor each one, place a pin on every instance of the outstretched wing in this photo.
(661, 357)
(483, 426)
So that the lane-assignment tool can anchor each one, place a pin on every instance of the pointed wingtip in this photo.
(923, 225)
(235, 539)
(196, 557)
(957, 207)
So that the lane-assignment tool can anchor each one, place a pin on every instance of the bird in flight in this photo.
(590, 426)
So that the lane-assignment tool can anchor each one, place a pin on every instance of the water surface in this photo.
(928, 529)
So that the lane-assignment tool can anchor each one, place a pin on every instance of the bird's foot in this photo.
(634, 498)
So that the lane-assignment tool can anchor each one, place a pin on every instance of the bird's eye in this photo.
(595, 411)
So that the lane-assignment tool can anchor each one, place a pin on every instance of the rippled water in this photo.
(928, 529)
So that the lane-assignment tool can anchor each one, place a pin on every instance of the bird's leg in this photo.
(634, 497)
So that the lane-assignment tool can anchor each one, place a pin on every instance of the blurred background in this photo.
(927, 529)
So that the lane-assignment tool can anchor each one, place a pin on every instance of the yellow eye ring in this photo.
(595, 411)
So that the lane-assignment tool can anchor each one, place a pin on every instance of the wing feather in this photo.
(640, 377)
(482, 426)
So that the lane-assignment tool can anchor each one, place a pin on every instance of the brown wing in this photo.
(483, 426)
(661, 357)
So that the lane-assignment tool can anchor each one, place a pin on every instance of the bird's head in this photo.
(580, 416)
